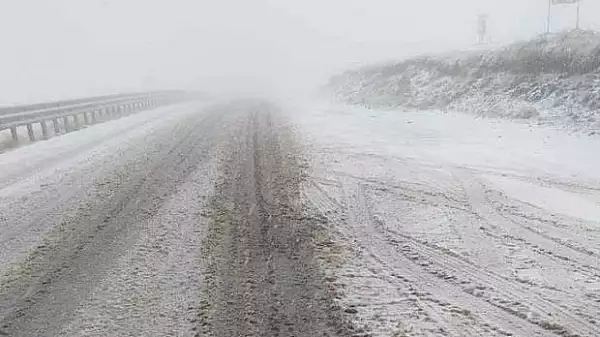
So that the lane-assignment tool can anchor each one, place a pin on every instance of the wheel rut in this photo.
(262, 274)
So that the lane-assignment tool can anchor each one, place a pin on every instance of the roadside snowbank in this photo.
(553, 79)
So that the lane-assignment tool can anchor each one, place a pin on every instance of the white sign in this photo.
(560, 2)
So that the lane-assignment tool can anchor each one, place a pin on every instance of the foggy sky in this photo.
(68, 48)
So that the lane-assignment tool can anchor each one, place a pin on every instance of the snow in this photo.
(551, 80)
(57, 174)
(457, 139)
(169, 293)
(456, 225)
(551, 199)
(40, 157)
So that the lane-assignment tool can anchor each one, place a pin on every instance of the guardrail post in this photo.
(44, 129)
(30, 132)
(67, 125)
(94, 118)
(13, 133)
(86, 118)
(56, 126)
(76, 121)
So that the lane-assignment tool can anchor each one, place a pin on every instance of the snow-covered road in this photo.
(91, 223)
(456, 226)
(181, 221)
(241, 219)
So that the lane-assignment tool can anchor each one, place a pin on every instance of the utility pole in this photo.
(578, 12)
(549, 16)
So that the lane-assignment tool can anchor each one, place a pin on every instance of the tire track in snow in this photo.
(426, 257)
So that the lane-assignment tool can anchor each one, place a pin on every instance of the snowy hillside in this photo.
(553, 79)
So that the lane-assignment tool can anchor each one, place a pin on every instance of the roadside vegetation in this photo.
(552, 79)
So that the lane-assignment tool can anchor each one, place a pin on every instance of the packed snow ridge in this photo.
(553, 79)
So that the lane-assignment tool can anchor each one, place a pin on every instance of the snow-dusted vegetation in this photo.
(553, 79)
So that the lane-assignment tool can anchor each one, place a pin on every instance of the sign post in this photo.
(481, 28)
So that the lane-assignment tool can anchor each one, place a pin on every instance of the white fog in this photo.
(300, 168)
(70, 48)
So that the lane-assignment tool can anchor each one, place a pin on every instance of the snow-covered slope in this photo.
(553, 79)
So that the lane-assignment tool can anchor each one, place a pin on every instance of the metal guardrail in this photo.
(66, 114)
(8, 110)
